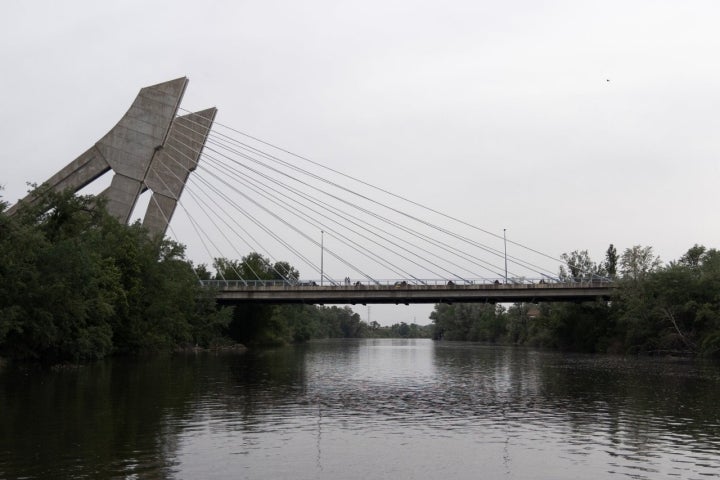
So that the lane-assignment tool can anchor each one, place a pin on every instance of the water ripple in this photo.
(367, 409)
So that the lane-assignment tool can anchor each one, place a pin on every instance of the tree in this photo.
(254, 267)
(469, 321)
(285, 271)
(228, 269)
(611, 260)
(693, 257)
(76, 285)
(202, 272)
(638, 261)
(58, 291)
(580, 327)
(579, 267)
(260, 324)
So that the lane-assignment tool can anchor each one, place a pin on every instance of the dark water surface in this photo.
(365, 409)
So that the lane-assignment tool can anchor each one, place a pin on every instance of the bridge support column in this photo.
(134, 150)
(172, 165)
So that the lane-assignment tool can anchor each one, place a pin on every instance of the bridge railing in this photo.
(414, 284)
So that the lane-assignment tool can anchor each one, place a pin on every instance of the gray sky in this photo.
(500, 113)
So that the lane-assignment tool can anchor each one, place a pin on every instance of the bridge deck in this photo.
(407, 293)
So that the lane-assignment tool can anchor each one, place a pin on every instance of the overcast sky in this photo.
(572, 124)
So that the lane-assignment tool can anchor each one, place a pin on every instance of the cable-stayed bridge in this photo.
(307, 221)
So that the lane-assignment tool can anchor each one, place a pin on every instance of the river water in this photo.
(364, 409)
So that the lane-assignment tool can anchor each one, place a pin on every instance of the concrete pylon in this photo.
(172, 165)
(135, 150)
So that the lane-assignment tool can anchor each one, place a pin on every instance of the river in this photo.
(364, 409)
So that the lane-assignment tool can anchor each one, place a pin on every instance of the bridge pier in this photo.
(135, 149)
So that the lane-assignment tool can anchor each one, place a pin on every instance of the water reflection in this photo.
(359, 409)
(92, 422)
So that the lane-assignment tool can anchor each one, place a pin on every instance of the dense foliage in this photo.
(76, 285)
(656, 309)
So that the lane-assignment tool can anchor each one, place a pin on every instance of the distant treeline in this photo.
(656, 309)
(76, 285)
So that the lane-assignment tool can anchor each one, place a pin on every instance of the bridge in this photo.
(245, 191)
(401, 292)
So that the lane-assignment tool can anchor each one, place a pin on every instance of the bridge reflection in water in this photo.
(404, 292)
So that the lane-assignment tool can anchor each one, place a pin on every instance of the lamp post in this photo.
(322, 255)
(505, 242)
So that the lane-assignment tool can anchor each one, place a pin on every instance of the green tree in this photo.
(226, 269)
(254, 267)
(59, 291)
(77, 285)
(579, 327)
(284, 271)
(694, 256)
(202, 272)
(611, 261)
(481, 322)
(579, 266)
(638, 261)
(263, 324)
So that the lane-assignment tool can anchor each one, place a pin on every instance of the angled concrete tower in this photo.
(171, 167)
(135, 150)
